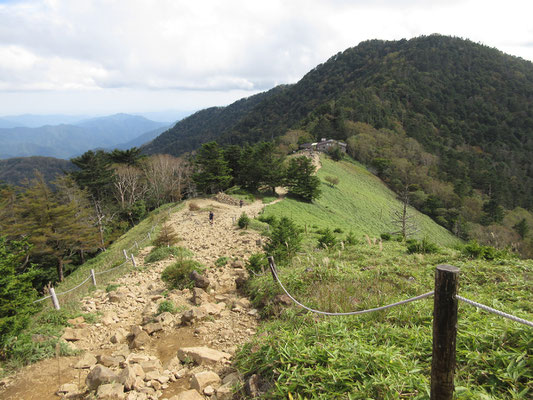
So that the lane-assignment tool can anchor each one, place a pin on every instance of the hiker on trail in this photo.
(241, 203)
(211, 217)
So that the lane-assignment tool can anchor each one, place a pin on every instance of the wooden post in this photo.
(133, 261)
(272, 266)
(136, 245)
(444, 332)
(149, 236)
(55, 301)
(93, 277)
(125, 254)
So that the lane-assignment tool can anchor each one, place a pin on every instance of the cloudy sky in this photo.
(107, 56)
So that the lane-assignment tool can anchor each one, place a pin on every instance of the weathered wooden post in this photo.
(136, 245)
(55, 301)
(444, 332)
(133, 261)
(93, 277)
(125, 254)
(149, 236)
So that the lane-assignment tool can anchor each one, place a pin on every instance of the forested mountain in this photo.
(65, 141)
(17, 170)
(468, 104)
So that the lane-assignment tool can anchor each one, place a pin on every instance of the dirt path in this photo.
(217, 318)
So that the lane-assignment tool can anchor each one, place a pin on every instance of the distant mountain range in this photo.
(69, 140)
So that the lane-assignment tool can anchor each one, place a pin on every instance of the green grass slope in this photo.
(360, 202)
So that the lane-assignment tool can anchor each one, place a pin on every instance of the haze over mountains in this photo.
(69, 140)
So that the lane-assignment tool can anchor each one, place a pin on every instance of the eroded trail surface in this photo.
(133, 353)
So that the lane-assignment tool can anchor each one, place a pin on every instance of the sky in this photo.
(99, 57)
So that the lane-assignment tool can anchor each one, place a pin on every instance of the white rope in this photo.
(422, 296)
(494, 311)
(111, 269)
(44, 298)
(74, 288)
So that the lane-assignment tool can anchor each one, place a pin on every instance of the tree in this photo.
(213, 174)
(285, 239)
(300, 180)
(260, 166)
(96, 176)
(130, 157)
(16, 292)
(336, 153)
(167, 236)
(403, 219)
(53, 228)
(522, 228)
(166, 178)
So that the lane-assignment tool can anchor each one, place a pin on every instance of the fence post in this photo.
(136, 245)
(93, 277)
(444, 332)
(55, 301)
(133, 261)
(149, 236)
(125, 254)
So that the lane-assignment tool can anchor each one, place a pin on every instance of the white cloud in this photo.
(212, 45)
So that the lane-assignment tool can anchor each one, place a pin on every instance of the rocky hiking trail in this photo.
(133, 353)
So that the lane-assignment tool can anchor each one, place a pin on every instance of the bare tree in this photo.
(403, 219)
(166, 177)
(128, 185)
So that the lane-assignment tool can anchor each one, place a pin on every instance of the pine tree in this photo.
(213, 173)
(300, 180)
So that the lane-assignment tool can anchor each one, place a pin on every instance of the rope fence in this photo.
(53, 295)
(445, 315)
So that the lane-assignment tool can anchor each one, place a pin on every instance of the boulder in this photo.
(199, 296)
(110, 361)
(202, 355)
(165, 319)
(212, 309)
(201, 380)
(151, 365)
(188, 395)
(76, 321)
(110, 391)
(100, 375)
(67, 390)
(73, 335)
(225, 392)
(153, 327)
(200, 281)
(86, 361)
(118, 336)
(188, 317)
(128, 377)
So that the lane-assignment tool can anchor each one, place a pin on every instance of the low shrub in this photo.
(271, 220)
(193, 206)
(167, 306)
(221, 261)
(243, 221)
(257, 262)
(161, 253)
(475, 250)
(423, 246)
(337, 230)
(176, 276)
(386, 237)
(350, 238)
(327, 239)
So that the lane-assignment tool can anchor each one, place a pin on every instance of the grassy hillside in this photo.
(360, 203)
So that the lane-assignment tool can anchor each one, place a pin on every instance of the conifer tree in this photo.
(300, 180)
(213, 174)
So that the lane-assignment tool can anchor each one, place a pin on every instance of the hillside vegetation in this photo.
(446, 121)
(360, 203)
(387, 354)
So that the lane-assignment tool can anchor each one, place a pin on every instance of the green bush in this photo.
(257, 262)
(385, 237)
(424, 246)
(167, 306)
(271, 219)
(285, 240)
(475, 250)
(327, 239)
(243, 221)
(221, 261)
(350, 238)
(337, 230)
(161, 253)
(176, 275)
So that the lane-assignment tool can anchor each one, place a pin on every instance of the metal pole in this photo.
(444, 332)
(55, 301)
